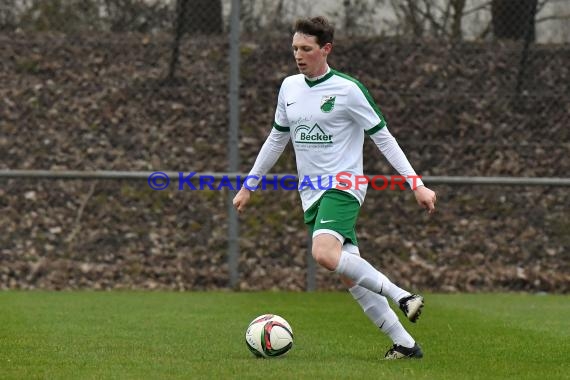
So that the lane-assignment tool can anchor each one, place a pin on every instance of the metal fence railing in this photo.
(174, 176)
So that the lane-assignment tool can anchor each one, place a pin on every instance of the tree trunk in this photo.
(456, 27)
(194, 17)
(204, 17)
(514, 20)
(181, 11)
(413, 19)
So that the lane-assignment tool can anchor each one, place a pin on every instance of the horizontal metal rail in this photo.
(135, 175)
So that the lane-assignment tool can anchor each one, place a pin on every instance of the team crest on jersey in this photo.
(327, 103)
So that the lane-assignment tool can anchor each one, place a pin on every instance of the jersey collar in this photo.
(315, 82)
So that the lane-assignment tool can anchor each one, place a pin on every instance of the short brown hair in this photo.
(318, 27)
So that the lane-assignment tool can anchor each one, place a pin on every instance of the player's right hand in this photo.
(241, 199)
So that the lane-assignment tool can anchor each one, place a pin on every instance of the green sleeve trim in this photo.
(376, 128)
(368, 97)
(280, 128)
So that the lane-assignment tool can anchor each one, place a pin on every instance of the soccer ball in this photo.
(269, 336)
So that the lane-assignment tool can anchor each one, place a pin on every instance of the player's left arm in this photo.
(367, 114)
(390, 148)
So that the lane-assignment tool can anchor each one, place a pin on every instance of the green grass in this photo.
(156, 335)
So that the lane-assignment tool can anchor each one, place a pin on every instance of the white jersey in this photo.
(326, 120)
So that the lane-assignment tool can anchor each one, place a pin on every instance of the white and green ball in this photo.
(269, 335)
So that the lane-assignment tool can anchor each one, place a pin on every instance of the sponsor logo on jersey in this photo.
(327, 103)
(315, 135)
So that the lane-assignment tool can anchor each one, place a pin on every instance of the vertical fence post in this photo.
(311, 266)
(233, 153)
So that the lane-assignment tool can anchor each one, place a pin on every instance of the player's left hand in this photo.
(426, 198)
(241, 199)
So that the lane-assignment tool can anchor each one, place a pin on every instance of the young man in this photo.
(326, 115)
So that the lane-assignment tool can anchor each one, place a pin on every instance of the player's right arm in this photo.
(267, 156)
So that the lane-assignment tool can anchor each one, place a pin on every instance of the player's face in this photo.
(311, 59)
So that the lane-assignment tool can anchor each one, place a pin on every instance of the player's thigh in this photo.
(337, 214)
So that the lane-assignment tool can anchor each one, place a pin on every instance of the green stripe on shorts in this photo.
(336, 210)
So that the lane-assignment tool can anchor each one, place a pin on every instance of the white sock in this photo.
(398, 334)
(362, 273)
(378, 310)
(374, 305)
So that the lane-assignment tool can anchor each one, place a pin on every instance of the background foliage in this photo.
(81, 94)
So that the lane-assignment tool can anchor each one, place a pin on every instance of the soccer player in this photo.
(326, 114)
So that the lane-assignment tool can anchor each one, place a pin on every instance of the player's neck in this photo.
(326, 69)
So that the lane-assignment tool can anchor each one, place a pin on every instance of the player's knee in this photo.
(325, 257)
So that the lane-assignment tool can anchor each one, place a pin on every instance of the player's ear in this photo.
(327, 48)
